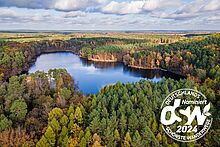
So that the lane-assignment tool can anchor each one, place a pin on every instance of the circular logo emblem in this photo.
(185, 115)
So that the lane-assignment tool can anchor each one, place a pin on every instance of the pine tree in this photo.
(75, 129)
(154, 124)
(64, 120)
(88, 136)
(83, 142)
(127, 140)
(70, 124)
(95, 125)
(55, 125)
(123, 124)
(48, 139)
(71, 117)
(81, 134)
(109, 137)
(56, 113)
(148, 137)
(78, 116)
(70, 110)
(132, 122)
(164, 139)
(43, 142)
(117, 135)
(63, 137)
(137, 142)
(50, 136)
(15, 88)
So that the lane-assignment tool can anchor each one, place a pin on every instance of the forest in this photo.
(47, 109)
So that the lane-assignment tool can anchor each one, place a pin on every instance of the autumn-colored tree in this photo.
(96, 141)
(78, 116)
(16, 137)
(48, 139)
(127, 140)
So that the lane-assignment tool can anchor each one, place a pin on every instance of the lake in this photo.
(92, 76)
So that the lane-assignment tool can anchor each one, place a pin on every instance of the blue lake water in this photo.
(92, 76)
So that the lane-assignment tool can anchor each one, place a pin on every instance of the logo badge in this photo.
(185, 115)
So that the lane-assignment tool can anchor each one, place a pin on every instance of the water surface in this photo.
(92, 76)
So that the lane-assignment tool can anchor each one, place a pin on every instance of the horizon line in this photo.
(110, 30)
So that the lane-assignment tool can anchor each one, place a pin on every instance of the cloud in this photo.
(214, 18)
(109, 14)
(212, 5)
(7, 12)
(151, 5)
(123, 7)
(12, 15)
(60, 5)
(32, 4)
(74, 14)
(87, 69)
(135, 7)
(191, 10)
(73, 5)
(8, 15)
(176, 16)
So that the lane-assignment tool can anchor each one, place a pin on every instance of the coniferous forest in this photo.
(47, 109)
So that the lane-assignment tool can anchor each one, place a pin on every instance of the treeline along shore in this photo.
(186, 57)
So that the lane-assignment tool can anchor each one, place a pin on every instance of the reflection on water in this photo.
(144, 73)
(92, 76)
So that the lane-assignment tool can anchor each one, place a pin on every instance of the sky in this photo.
(110, 14)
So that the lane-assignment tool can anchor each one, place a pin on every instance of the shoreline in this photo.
(133, 66)
(26, 69)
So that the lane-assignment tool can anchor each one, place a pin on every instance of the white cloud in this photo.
(109, 14)
(181, 16)
(73, 5)
(139, 6)
(212, 5)
(197, 8)
(7, 12)
(73, 14)
(87, 70)
(14, 15)
(151, 5)
(214, 18)
(124, 7)
(61, 5)
(33, 4)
